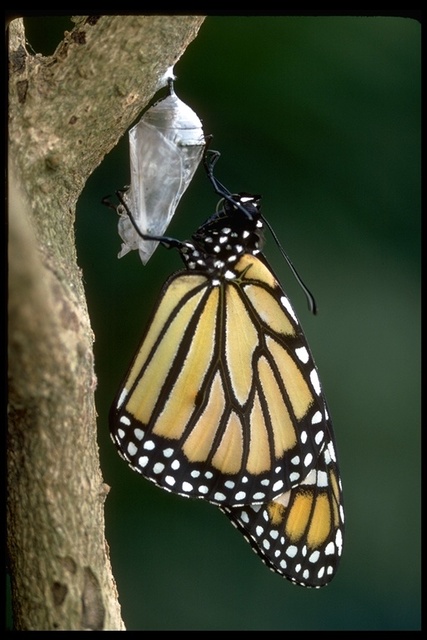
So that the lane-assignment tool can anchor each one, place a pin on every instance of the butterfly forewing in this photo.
(222, 401)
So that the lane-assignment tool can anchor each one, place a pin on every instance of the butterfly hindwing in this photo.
(299, 534)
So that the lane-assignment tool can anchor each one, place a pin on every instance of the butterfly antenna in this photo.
(310, 298)
(210, 159)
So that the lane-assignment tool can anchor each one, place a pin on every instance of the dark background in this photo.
(321, 115)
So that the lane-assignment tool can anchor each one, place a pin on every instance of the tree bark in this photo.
(66, 112)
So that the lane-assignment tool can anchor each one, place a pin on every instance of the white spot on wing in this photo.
(322, 479)
(132, 449)
(316, 418)
(307, 460)
(330, 549)
(122, 398)
(311, 477)
(278, 485)
(319, 437)
(315, 381)
(259, 495)
(285, 302)
(302, 354)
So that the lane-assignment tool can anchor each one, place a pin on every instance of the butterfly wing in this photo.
(299, 534)
(222, 401)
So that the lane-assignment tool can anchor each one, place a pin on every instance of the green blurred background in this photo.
(321, 115)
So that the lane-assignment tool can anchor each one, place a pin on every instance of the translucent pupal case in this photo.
(166, 147)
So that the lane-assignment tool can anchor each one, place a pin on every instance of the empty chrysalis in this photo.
(166, 147)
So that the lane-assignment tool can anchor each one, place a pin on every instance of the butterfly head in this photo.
(235, 229)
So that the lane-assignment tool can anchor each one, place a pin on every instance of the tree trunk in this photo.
(66, 112)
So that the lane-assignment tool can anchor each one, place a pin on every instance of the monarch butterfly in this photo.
(223, 400)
